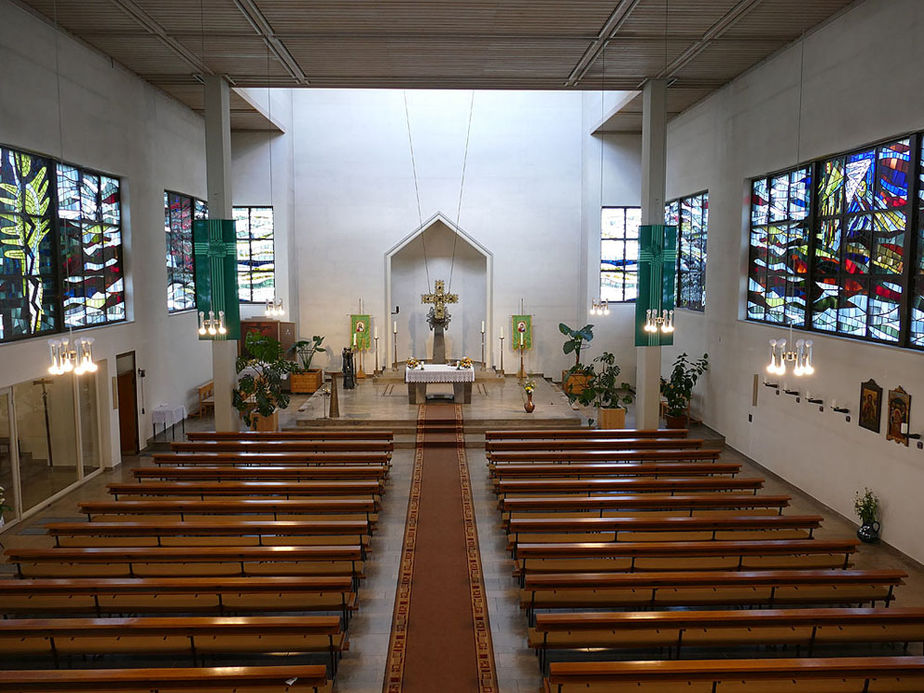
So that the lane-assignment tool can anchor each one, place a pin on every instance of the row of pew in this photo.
(647, 563)
(232, 563)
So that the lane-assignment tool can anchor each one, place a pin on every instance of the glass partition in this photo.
(89, 422)
(6, 460)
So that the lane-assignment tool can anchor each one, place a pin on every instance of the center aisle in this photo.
(440, 634)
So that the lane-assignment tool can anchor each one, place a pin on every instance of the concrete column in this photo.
(218, 172)
(654, 173)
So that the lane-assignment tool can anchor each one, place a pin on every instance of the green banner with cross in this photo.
(657, 280)
(215, 254)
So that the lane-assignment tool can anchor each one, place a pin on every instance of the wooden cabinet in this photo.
(283, 332)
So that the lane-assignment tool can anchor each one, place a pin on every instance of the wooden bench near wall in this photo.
(251, 489)
(645, 503)
(305, 446)
(252, 508)
(575, 444)
(312, 434)
(628, 455)
(532, 487)
(235, 459)
(559, 433)
(602, 469)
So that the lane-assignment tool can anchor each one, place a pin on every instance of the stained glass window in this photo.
(860, 242)
(255, 254)
(90, 235)
(28, 287)
(691, 217)
(179, 213)
(916, 332)
(619, 254)
(778, 259)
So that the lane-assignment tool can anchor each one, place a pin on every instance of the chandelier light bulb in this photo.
(606, 307)
(221, 323)
(202, 322)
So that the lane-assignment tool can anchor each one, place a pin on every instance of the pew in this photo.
(251, 489)
(176, 595)
(54, 638)
(572, 444)
(767, 588)
(510, 471)
(242, 459)
(659, 528)
(274, 509)
(625, 485)
(284, 446)
(177, 561)
(556, 433)
(628, 455)
(312, 434)
(809, 675)
(771, 554)
(601, 505)
(210, 533)
(800, 628)
(262, 473)
(264, 679)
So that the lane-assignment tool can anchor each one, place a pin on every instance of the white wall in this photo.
(857, 89)
(114, 122)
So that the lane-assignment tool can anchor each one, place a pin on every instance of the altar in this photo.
(418, 378)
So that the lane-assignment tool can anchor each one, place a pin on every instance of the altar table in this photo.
(418, 378)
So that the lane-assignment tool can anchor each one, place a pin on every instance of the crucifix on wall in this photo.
(438, 317)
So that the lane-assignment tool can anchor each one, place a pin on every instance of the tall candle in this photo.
(354, 339)
(395, 327)
(501, 335)
(375, 333)
(482, 327)
(521, 339)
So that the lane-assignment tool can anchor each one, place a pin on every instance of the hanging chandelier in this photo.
(799, 353)
(69, 355)
(600, 307)
(211, 325)
(662, 320)
(274, 308)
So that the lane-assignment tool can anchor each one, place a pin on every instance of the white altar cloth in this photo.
(439, 373)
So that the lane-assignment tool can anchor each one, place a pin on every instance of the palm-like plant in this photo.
(575, 341)
(260, 371)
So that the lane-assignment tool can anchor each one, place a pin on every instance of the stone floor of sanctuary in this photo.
(363, 665)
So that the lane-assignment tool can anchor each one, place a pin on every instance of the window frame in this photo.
(704, 194)
(250, 240)
(625, 238)
(193, 201)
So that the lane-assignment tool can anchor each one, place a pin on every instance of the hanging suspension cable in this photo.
(423, 233)
(455, 236)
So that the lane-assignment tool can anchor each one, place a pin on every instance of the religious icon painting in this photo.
(522, 333)
(899, 415)
(870, 406)
(360, 332)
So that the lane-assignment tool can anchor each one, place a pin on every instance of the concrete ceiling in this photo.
(698, 45)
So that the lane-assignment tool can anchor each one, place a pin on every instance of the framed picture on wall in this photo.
(899, 415)
(870, 406)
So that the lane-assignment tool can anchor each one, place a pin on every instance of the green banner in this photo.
(215, 255)
(522, 332)
(657, 280)
(361, 332)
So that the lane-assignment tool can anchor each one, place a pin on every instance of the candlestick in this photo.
(484, 363)
(501, 369)
(376, 340)
(394, 364)
(482, 327)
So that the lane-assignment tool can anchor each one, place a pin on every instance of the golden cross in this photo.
(439, 298)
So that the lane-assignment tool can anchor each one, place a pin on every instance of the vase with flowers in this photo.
(529, 387)
(866, 506)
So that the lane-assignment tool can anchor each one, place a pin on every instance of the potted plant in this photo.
(867, 509)
(259, 391)
(678, 389)
(606, 393)
(305, 379)
(574, 380)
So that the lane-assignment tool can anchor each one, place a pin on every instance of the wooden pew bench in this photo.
(604, 506)
(265, 446)
(660, 528)
(810, 675)
(554, 433)
(250, 489)
(628, 556)
(228, 532)
(196, 636)
(234, 459)
(601, 444)
(660, 590)
(178, 561)
(251, 508)
(271, 679)
(603, 469)
(270, 473)
(176, 595)
(804, 629)
(589, 456)
(325, 433)
(588, 487)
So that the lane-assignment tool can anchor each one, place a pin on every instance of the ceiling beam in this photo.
(154, 28)
(262, 26)
(610, 27)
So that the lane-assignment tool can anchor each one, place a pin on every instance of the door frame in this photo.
(134, 372)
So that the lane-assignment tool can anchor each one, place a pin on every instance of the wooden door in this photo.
(128, 412)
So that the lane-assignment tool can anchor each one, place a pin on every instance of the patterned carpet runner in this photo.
(440, 634)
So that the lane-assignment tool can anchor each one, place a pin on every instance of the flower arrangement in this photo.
(412, 363)
(466, 362)
(529, 386)
(866, 506)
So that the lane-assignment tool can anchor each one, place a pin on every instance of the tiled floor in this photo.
(362, 669)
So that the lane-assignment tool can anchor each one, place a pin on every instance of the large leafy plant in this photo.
(678, 389)
(575, 342)
(261, 370)
(604, 390)
(305, 350)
